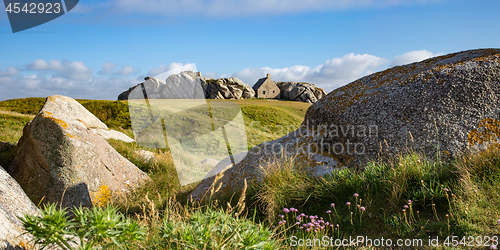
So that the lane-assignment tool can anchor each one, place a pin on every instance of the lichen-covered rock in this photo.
(229, 88)
(13, 204)
(59, 154)
(220, 166)
(180, 86)
(300, 91)
(447, 105)
(150, 85)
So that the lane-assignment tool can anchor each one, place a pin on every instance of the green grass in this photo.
(448, 198)
(30, 106)
(113, 113)
(264, 120)
(11, 126)
(267, 123)
(383, 187)
(461, 198)
(458, 197)
(11, 130)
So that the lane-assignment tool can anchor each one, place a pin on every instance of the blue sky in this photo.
(101, 48)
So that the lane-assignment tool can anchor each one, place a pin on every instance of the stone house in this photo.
(266, 88)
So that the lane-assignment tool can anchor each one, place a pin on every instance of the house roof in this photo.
(259, 83)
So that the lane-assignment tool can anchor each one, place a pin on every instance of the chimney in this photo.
(269, 75)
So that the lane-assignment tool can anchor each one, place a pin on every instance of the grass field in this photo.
(407, 196)
(264, 119)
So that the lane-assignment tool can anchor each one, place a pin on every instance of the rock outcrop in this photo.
(59, 157)
(190, 85)
(447, 105)
(227, 88)
(300, 91)
(13, 204)
(221, 166)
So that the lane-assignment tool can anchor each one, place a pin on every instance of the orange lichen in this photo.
(25, 245)
(489, 131)
(48, 115)
(446, 154)
(73, 136)
(101, 197)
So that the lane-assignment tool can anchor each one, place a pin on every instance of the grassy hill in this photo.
(264, 119)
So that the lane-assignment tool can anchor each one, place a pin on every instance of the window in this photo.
(263, 92)
(273, 91)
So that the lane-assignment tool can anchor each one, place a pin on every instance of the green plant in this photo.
(214, 229)
(93, 227)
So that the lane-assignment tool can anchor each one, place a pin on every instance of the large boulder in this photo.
(13, 204)
(60, 158)
(300, 91)
(293, 147)
(190, 85)
(150, 85)
(447, 105)
(229, 88)
(180, 86)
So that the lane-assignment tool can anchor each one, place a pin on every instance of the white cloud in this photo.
(236, 8)
(42, 78)
(163, 71)
(339, 71)
(332, 74)
(127, 70)
(412, 56)
(65, 69)
(9, 72)
(107, 68)
(41, 85)
(7, 77)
